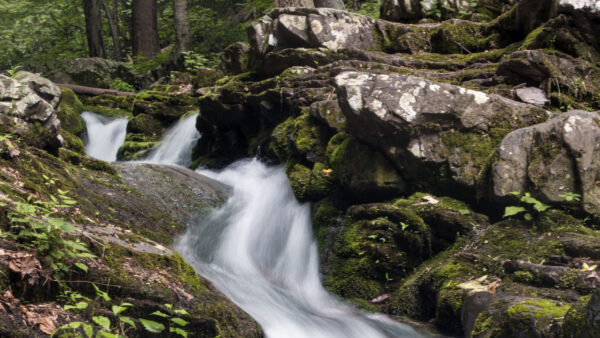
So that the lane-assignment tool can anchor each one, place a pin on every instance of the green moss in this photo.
(577, 323)
(134, 150)
(524, 277)
(68, 112)
(539, 308)
(309, 184)
(147, 125)
(106, 111)
(484, 326)
(462, 37)
(448, 310)
(111, 101)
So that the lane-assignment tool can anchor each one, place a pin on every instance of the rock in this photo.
(92, 72)
(532, 95)
(312, 28)
(588, 5)
(24, 112)
(234, 59)
(329, 113)
(364, 172)
(337, 4)
(405, 10)
(180, 192)
(583, 319)
(45, 88)
(432, 132)
(551, 159)
(525, 16)
(294, 3)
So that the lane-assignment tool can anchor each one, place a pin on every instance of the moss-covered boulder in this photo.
(551, 160)
(163, 106)
(435, 134)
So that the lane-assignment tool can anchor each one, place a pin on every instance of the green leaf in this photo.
(152, 326)
(116, 309)
(102, 321)
(101, 293)
(128, 320)
(107, 334)
(179, 331)
(160, 314)
(78, 306)
(528, 217)
(179, 321)
(512, 210)
(81, 266)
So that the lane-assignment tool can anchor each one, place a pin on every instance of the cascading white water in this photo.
(176, 146)
(259, 250)
(105, 135)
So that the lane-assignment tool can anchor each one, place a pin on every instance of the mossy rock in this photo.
(131, 150)
(69, 111)
(163, 106)
(145, 124)
(363, 171)
(309, 184)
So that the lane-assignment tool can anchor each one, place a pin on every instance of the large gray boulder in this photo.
(311, 28)
(433, 132)
(27, 108)
(551, 159)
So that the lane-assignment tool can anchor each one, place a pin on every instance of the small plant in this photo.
(533, 207)
(570, 197)
(120, 85)
(194, 61)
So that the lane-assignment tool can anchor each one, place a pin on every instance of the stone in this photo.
(234, 59)
(421, 125)
(41, 86)
(294, 3)
(551, 159)
(405, 10)
(24, 112)
(337, 4)
(311, 28)
(532, 95)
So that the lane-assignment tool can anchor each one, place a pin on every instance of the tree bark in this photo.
(92, 91)
(93, 26)
(114, 31)
(337, 4)
(182, 25)
(144, 36)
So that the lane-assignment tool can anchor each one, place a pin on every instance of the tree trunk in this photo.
(114, 31)
(182, 25)
(337, 4)
(144, 36)
(294, 3)
(93, 26)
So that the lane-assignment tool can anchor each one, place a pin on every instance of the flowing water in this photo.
(177, 145)
(105, 135)
(259, 250)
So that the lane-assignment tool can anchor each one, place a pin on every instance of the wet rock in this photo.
(552, 159)
(432, 132)
(24, 112)
(180, 192)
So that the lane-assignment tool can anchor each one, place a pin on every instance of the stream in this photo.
(258, 248)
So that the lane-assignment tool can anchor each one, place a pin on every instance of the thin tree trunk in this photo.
(93, 26)
(182, 25)
(144, 37)
(92, 91)
(114, 32)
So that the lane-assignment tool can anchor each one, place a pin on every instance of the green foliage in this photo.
(143, 65)
(35, 226)
(120, 85)
(533, 208)
(194, 61)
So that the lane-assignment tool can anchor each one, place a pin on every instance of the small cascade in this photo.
(105, 135)
(176, 147)
(260, 251)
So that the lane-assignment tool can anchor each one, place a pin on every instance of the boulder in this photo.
(405, 10)
(25, 112)
(294, 3)
(532, 95)
(337, 4)
(234, 59)
(432, 132)
(45, 88)
(312, 28)
(92, 72)
(552, 159)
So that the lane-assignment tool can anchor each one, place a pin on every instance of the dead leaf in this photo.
(381, 299)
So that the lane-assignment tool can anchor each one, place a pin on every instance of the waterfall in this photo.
(176, 147)
(105, 135)
(259, 250)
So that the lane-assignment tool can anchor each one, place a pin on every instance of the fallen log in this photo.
(92, 91)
